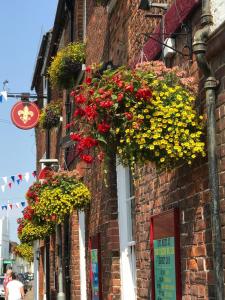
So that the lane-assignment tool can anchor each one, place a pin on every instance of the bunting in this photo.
(8, 181)
(11, 206)
(3, 96)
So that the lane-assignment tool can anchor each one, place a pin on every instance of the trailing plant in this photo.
(50, 115)
(33, 192)
(28, 231)
(145, 114)
(65, 64)
(62, 194)
(25, 251)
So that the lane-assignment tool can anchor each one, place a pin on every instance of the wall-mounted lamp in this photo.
(38, 253)
(148, 4)
(50, 162)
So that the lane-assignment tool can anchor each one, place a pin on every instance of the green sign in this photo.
(9, 261)
(164, 269)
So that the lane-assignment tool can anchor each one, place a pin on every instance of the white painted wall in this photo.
(218, 12)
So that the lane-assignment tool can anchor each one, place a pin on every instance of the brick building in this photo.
(123, 220)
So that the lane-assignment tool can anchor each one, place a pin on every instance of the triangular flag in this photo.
(18, 181)
(27, 176)
(34, 173)
(20, 177)
(4, 207)
(5, 179)
(3, 188)
(13, 178)
(10, 206)
(23, 204)
(1, 98)
(17, 205)
(10, 185)
(4, 95)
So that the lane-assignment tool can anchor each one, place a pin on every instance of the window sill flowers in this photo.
(66, 64)
(144, 114)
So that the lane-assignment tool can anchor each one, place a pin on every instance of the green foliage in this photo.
(65, 64)
(143, 114)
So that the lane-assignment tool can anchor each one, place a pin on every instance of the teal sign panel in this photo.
(165, 269)
(95, 274)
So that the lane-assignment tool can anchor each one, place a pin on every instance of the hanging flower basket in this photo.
(29, 231)
(145, 114)
(66, 65)
(50, 115)
(62, 194)
(25, 251)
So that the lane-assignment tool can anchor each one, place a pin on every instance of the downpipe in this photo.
(210, 86)
(60, 294)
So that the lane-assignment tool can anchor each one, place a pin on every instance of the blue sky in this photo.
(22, 24)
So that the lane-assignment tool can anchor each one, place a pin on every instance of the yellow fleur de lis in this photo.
(25, 114)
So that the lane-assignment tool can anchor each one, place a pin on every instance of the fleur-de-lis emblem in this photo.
(25, 114)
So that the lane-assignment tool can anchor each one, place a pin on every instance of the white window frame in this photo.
(127, 246)
(83, 284)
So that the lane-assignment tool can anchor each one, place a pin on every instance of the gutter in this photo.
(199, 48)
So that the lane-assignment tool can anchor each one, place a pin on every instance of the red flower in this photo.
(129, 88)
(128, 115)
(79, 112)
(80, 99)
(28, 213)
(68, 125)
(144, 93)
(86, 143)
(87, 158)
(120, 97)
(88, 80)
(88, 70)
(106, 104)
(91, 112)
(91, 92)
(75, 137)
(103, 127)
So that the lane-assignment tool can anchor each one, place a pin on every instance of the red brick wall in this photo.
(75, 257)
(119, 37)
(102, 218)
